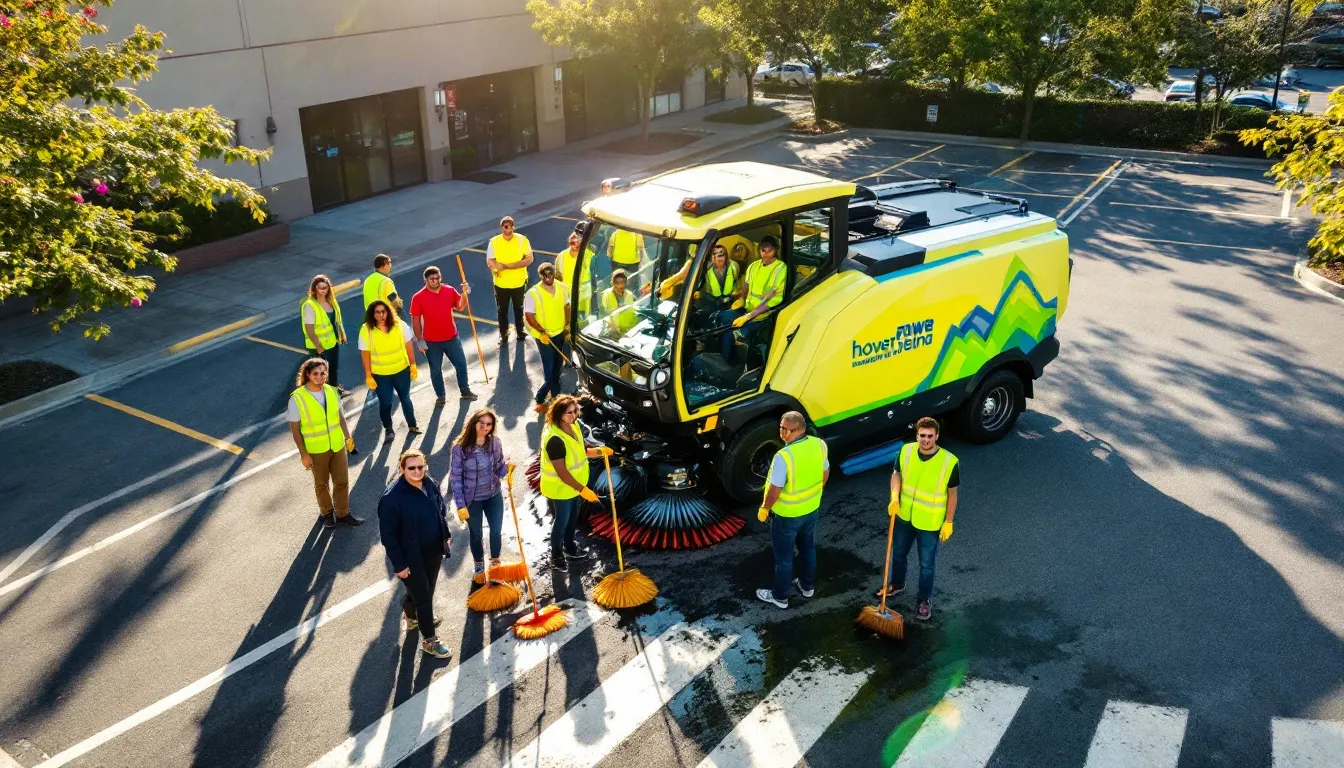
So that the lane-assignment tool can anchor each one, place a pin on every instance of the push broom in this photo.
(472, 319)
(493, 595)
(624, 588)
(879, 619)
(542, 621)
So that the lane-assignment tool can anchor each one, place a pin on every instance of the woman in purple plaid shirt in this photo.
(477, 467)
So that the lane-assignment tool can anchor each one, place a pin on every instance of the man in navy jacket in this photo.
(413, 524)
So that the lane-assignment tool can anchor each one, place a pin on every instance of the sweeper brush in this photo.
(880, 620)
(542, 621)
(671, 520)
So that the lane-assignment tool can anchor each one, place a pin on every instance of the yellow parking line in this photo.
(347, 285)
(278, 345)
(1210, 211)
(1089, 188)
(208, 335)
(903, 162)
(464, 316)
(1011, 163)
(567, 218)
(1117, 236)
(474, 250)
(166, 424)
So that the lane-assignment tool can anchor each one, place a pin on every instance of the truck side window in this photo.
(811, 248)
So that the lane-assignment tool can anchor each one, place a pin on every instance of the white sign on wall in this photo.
(931, 113)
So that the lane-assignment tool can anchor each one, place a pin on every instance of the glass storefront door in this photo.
(495, 120)
(362, 147)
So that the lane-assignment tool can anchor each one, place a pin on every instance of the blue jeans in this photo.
(435, 350)
(721, 318)
(390, 388)
(551, 365)
(904, 536)
(565, 527)
(490, 510)
(785, 534)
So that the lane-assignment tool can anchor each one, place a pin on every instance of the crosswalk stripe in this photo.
(611, 713)
(421, 718)
(786, 724)
(963, 729)
(1307, 743)
(1137, 736)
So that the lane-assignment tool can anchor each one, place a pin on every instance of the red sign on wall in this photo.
(450, 96)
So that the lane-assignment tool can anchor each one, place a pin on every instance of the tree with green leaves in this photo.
(1238, 51)
(737, 38)
(942, 38)
(89, 173)
(649, 38)
(1311, 150)
(825, 34)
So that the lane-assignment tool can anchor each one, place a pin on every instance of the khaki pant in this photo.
(333, 468)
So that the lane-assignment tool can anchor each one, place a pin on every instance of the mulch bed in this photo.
(752, 115)
(487, 177)
(26, 377)
(1332, 272)
(657, 144)
(814, 127)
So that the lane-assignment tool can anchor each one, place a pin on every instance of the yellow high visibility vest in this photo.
(625, 246)
(387, 349)
(509, 252)
(805, 465)
(924, 487)
(565, 264)
(719, 289)
(326, 332)
(576, 461)
(320, 427)
(378, 286)
(550, 309)
(626, 318)
(761, 280)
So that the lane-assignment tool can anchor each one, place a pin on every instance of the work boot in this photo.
(350, 521)
(414, 430)
(805, 592)
(436, 649)
(328, 519)
(924, 611)
(766, 595)
(558, 563)
(389, 434)
(439, 402)
(467, 394)
(579, 553)
(539, 407)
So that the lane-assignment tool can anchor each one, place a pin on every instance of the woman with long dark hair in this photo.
(564, 478)
(385, 346)
(323, 331)
(477, 467)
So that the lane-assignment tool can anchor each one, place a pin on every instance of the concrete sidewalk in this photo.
(414, 226)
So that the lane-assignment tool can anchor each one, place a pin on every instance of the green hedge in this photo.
(1132, 124)
(228, 219)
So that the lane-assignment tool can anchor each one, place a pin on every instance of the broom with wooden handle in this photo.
(879, 619)
(624, 588)
(472, 319)
(542, 621)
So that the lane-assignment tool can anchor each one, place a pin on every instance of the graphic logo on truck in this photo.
(907, 337)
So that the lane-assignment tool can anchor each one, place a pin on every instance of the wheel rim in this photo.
(759, 466)
(995, 408)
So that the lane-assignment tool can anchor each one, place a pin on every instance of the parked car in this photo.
(1261, 101)
(1289, 79)
(990, 87)
(787, 73)
(1098, 87)
(1181, 90)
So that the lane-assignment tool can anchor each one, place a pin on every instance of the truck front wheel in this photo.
(745, 462)
(993, 409)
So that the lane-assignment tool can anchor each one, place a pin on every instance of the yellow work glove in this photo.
(762, 514)
(598, 452)
(668, 288)
(370, 383)
(545, 338)
(946, 532)
(893, 508)
(741, 321)
(463, 514)
(350, 444)
(740, 303)
(415, 372)
(587, 495)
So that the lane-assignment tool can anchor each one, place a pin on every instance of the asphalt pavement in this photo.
(1148, 571)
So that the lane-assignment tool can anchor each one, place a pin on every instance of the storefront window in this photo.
(495, 120)
(362, 147)
(666, 97)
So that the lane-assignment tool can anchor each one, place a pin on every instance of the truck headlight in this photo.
(661, 377)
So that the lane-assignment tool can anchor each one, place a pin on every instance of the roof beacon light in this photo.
(689, 205)
(704, 204)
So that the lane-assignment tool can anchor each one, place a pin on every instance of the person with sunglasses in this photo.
(413, 526)
(508, 255)
(385, 346)
(798, 473)
(564, 478)
(924, 496)
(476, 469)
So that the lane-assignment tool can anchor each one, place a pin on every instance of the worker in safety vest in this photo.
(323, 439)
(568, 261)
(323, 331)
(385, 347)
(564, 478)
(379, 286)
(626, 251)
(924, 495)
(618, 306)
(793, 488)
(761, 291)
(717, 293)
(546, 310)
(508, 255)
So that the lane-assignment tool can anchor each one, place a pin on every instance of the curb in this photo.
(1315, 283)
(1048, 146)
(408, 259)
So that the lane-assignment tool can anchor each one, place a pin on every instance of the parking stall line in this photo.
(1101, 176)
(963, 730)
(1137, 736)
(302, 631)
(1022, 192)
(1307, 743)
(567, 218)
(1011, 163)
(890, 168)
(1287, 203)
(1135, 238)
(278, 345)
(475, 250)
(166, 424)
(1209, 211)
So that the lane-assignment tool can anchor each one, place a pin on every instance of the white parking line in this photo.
(218, 676)
(1307, 743)
(786, 724)
(1137, 736)
(1201, 209)
(1287, 203)
(1110, 174)
(606, 717)
(421, 718)
(964, 728)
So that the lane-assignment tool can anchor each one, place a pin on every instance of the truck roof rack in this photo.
(909, 206)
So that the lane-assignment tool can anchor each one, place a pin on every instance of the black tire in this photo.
(992, 411)
(746, 461)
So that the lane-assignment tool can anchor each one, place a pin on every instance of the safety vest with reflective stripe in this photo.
(719, 289)
(804, 467)
(326, 332)
(924, 487)
(576, 461)
(387, 349)
(549, 308)
(320, 426)
(509, 251)
(625, 246)
(626, 318)
(565, 264)
(761, 280)
(378, 286)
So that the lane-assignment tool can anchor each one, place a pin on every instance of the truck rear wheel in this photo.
(746, 461)
(993, 409)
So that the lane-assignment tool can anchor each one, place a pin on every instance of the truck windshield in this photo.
(620, 301)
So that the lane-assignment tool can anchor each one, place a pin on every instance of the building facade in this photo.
(356, 97)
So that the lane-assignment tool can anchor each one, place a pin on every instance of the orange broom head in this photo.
(495, 596)
(509, 572)
(625, 589)
(889, 623)
(540, 623)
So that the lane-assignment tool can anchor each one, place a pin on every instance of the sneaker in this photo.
(924, 611)
(439, 402)
(413, 430)
(389, 434)
(436, 649)
(539, 407)
(559, 564)
(805, 592)
(767, 596)
(467, 394)
(582, 553)
(414, 624)
(350, 520)
(478, 568)
(892, 590)
(328, 519)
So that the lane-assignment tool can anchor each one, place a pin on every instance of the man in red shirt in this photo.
(436, 332)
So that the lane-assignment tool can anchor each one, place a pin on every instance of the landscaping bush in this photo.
(201, 225)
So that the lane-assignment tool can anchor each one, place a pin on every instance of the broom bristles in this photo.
(509, 571)
(495, 596)
(889, 624)
(625, 589)
(540, 623)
